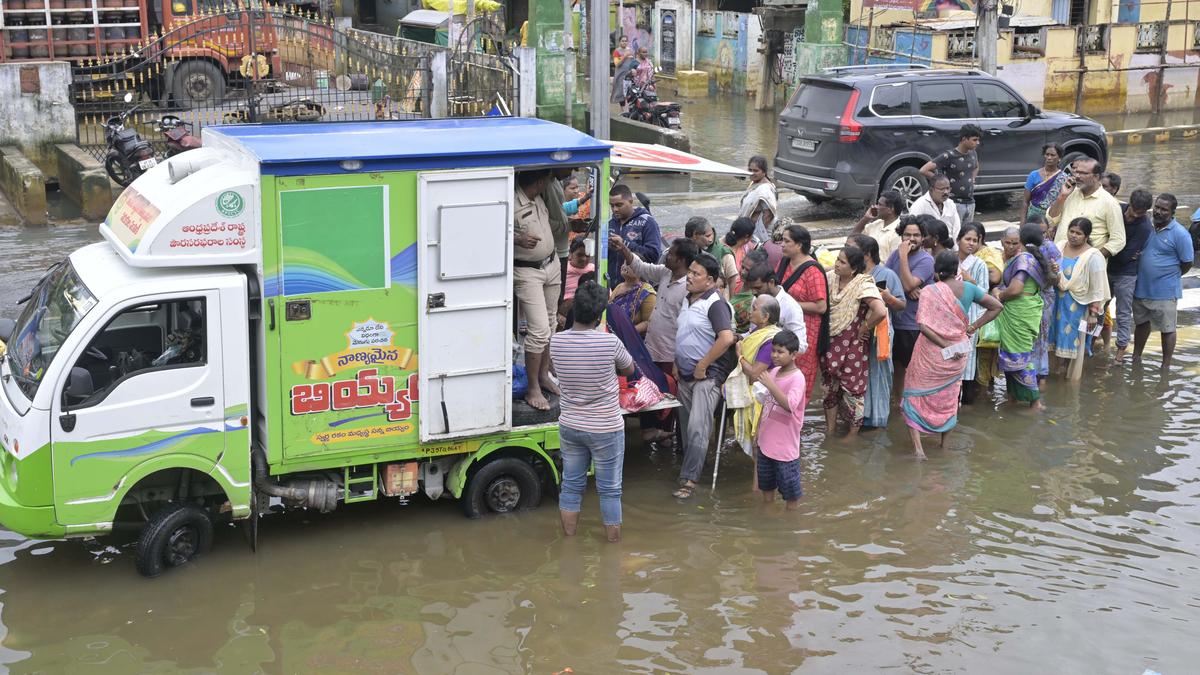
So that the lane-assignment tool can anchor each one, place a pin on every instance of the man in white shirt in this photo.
(880, 221)
(937, 203)
(761, 280)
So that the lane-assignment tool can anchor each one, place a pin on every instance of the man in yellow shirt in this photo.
(880, 222)
(1082, 197)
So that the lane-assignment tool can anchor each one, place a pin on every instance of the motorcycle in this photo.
(177, 134)
(129, 155)
(642, 104)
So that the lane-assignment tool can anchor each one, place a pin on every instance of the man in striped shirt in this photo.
(591, 426)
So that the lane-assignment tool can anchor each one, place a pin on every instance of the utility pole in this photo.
(987, 37)
(568, 63)
(598, 67)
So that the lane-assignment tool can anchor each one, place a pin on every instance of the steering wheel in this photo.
(96, 353)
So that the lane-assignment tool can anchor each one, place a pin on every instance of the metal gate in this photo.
(252, 63)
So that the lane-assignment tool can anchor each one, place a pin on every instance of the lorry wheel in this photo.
(908, 181)
(198, 83)
(175, 534)
(502, 486)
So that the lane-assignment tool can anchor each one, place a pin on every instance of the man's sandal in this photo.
(684, 492)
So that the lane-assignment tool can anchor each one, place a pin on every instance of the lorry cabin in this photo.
(304, 314)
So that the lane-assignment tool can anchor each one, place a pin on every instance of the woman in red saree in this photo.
(803, 278)
(934, 378)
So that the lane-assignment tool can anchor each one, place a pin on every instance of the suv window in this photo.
(816, 99)
(996, 101)
(943, 100)
(892, 100)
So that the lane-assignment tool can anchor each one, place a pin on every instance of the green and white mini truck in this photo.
(305, 315)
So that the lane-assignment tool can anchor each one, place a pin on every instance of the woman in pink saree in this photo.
(934, 377)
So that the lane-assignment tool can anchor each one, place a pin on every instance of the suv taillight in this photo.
(850, 130)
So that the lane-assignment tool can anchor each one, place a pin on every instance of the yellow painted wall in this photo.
(1179, 36)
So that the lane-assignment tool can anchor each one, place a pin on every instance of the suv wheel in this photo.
(908, 181)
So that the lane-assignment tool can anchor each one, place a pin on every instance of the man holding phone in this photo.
(880, 221)
(1081, 197)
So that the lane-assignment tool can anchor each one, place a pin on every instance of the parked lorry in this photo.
(189, 50)
(300, 315)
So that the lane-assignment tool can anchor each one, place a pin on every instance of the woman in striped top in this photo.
(591, 427)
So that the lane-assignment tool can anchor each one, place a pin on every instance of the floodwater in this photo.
(1065, 542)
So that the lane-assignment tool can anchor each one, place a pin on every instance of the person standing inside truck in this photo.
(591, 429)
(635, 227)
(536, 280)
(961, 165)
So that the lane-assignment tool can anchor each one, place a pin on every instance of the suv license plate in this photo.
(804, 144)
(147, 164)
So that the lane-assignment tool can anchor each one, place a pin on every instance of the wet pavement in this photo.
(1065, 542)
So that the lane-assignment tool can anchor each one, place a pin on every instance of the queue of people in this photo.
(915, 317)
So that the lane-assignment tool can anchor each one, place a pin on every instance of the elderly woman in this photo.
(635, 298)
(855, 307)
(1025, 274)
(934, 376)
(754, 358)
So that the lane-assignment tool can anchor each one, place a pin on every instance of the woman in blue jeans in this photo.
(591, 427)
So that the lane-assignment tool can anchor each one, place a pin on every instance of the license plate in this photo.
(147, 164)
(804, 144)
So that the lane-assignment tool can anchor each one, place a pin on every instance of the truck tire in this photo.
(175, 534)
(502, 486)
(908, 181)
(198, 83)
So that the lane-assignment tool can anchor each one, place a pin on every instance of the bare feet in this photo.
(920, 456)
(548, 385)
(613, 532)
(536, 399)
(1120, 355)
(570, 521)
(1037, 405)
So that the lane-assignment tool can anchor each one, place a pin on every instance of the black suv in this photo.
(858, 130)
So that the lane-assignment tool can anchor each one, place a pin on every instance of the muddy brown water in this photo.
(1062, 543)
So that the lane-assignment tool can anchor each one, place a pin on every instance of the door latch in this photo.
(297, 310)
(435, 301)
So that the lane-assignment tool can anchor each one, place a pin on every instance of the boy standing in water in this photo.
(783, 394)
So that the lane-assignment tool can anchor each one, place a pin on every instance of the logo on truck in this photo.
(230, 204)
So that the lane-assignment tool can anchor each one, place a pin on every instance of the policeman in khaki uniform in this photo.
(536, 280)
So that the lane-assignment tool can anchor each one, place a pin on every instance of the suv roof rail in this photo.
(872, 67)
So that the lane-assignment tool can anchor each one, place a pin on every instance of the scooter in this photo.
(642, 104)
(177, 134)
(129, 155)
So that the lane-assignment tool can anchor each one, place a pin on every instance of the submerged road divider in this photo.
(1182, 132)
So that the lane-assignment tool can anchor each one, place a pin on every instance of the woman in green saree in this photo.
(1020, 323)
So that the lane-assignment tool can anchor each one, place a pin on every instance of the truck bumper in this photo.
(31, 521)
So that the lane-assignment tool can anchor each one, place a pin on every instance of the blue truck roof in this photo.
(310, 148)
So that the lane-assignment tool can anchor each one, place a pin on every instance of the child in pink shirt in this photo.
(783, 394)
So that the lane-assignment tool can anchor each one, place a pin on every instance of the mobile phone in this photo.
(881, 284)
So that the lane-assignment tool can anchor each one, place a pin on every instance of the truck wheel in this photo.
(502, 486)
(908, 181)
(175, 534)
(198, 83)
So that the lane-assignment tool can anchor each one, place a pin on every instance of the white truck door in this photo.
(464, 296)
(153, 387)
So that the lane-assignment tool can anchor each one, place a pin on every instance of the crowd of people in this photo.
(913, 317)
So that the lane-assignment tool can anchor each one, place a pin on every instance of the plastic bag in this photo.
(989, 336)
(639, 395)
(520, 385)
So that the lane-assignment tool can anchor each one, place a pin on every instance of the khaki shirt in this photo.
(554, 197)
(1103, 209)
(530, 215)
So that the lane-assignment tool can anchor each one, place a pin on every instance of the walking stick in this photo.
(720, 442)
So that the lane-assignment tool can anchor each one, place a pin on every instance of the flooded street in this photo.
(1066, 542)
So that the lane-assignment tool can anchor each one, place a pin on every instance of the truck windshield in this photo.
(57, 304)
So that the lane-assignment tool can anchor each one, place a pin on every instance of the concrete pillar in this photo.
(439, 97)
(526, 81)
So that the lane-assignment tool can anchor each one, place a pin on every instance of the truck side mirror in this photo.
(7, 326)
(79, 386)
